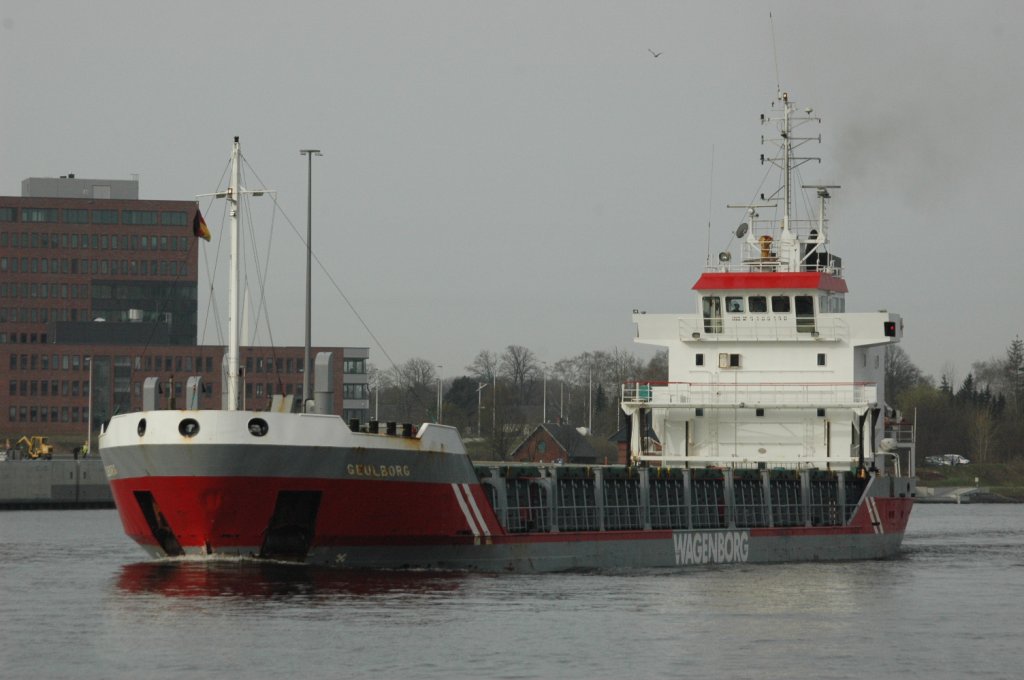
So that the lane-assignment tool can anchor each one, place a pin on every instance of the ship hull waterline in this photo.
(416, 510)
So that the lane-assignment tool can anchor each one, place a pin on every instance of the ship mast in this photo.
(230, 396)
(231, 370)
(789, 245)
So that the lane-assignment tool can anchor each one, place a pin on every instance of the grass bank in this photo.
(1004, 479)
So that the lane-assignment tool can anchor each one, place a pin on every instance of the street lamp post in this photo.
(561, 401)
(88, 436)
(479, 406)
(440, 382)
(590, 400)
(544, 415)
(308, 153)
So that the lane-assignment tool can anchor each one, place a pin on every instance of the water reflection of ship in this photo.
(275, 581)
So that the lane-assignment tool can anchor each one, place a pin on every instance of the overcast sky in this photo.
(527, 172)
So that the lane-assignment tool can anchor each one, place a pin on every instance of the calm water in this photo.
(77, 600)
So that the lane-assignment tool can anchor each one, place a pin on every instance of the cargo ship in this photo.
(765, 444)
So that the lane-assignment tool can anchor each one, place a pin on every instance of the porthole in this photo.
(257, 427)
(188, 427)
(142, 427)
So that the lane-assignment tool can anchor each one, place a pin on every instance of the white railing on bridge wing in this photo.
(763, 326)
(820, 395)
(902, 433)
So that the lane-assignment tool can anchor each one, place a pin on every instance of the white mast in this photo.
(231, 394)
(231, 379)
(789, 244)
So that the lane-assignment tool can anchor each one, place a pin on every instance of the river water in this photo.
(79, 600)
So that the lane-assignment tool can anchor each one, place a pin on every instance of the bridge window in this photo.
(804, 313)
(734, 304)
(780, 303)
(712, 305)
(758, 303)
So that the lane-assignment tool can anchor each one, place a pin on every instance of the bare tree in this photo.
(413, 386)
(657, 368)
(981, 431)
(900, 373)
(519, 365)
(484, 366)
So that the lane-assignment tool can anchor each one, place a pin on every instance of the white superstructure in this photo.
(769, 370)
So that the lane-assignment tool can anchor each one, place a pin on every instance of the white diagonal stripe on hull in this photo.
(876, 520)
(476, 510)
(465, 510)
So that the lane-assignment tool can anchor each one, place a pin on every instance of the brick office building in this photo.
(92, 276)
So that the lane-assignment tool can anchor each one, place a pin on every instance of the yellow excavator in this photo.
(35, 446)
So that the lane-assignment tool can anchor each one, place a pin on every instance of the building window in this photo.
(104, 217)
(138, 217)
(75, 216)
(173, 219)
(8, 215)
(357, 366)
(355, 391)
(38, 214)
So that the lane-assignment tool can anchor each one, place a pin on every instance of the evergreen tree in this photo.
(1014, 373)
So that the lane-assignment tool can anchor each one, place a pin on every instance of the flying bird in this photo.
(656, 54)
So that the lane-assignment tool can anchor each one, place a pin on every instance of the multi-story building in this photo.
(92, 277)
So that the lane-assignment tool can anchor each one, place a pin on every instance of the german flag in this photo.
(199, 228)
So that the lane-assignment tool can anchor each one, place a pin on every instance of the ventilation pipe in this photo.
(323, 385)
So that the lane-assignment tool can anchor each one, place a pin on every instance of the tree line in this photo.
(980, 417)
(502, 396)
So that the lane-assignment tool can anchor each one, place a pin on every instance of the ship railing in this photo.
(771, 264)
(549, 499)
(901, 432)
(752, 395)
(760, 252)
(674, 460)
(763, 326)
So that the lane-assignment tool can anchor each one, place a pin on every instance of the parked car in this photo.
(947, 459)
